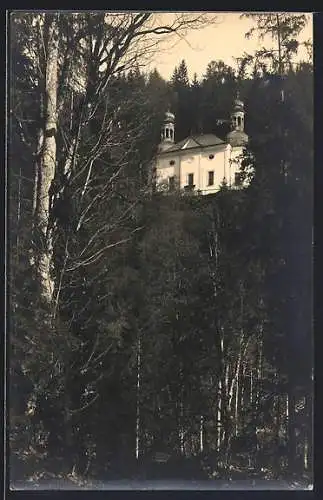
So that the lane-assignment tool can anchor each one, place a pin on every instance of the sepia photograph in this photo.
(159, 331)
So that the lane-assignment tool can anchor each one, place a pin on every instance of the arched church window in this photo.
(239, 121)
(172, 162)
(171, 133)
(167, 133)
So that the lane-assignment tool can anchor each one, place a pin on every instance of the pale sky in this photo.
(223, 40)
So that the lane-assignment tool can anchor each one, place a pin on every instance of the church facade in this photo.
(201, 163)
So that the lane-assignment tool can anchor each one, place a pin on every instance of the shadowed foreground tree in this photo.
(285, 201)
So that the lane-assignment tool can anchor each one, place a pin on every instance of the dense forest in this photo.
(144, 324)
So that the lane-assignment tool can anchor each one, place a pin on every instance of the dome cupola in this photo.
(237, 136)
(167, 131)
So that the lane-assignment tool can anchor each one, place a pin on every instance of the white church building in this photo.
(201, 163)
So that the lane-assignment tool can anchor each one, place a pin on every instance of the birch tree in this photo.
(80, 53)
(47, 162)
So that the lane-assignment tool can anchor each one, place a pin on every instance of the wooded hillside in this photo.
(142, 323)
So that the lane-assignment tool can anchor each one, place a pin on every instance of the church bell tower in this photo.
(237, 137)
(167, 132)
(237, 114)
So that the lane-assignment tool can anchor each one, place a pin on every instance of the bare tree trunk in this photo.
(215, 251)
(37, 176)
(243, 392)
(71, 110)
(278, 411)
(181, 416)
(47, 158)
(220, 396)
(18, 217)
(276, 456)
(38, 153)
(225, 400)
(286, 413)
(234, 386)
(259, 369)
(306, 452)
(238, 373)
(236, 406)
(201, 434)
(308, 457)
(291, 430)
(36, 186)
(138, 398)
(308, 433)
(219, 414)
(181, 429)
(257, 384)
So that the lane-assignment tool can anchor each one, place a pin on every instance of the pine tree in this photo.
(218, 90)
(196, 96)
(284, 29)
(181, 101)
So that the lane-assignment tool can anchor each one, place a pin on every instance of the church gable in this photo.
(190, 143)
(200, 141)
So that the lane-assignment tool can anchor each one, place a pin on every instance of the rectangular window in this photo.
(191, 180)
(171, 183)
(211, 178)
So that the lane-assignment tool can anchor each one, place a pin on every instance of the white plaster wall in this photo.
(189, 165)
(217, 165)
(198, 163)
(164, 170)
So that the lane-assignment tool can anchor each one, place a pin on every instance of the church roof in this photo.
(196, 141)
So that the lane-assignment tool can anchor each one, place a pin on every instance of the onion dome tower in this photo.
(237, 136)
(167, 132)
